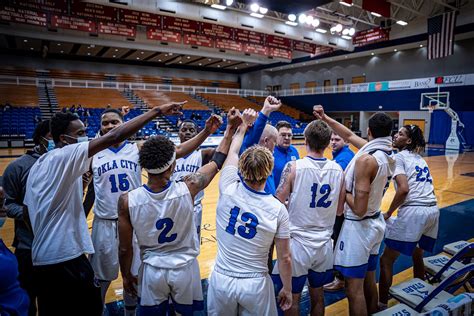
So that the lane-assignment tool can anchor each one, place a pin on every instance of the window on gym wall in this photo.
(294, 86)
(327, 84)
(358, 79)
(311, 84)
(340, 83)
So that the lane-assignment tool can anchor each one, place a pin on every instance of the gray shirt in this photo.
(14, 185)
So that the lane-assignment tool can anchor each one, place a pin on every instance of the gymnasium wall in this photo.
(110, 68)
(405, 64)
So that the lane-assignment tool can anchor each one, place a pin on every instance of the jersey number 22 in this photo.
(249, 230)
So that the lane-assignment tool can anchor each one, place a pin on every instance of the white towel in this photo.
(381, 143)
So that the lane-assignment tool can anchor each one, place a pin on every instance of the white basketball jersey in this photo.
(187, 165)
(116, 170)
(379, 185)
(164, 225)
(313, 203)
(420, 182)
(247, 222)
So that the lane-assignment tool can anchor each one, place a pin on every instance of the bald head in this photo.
(269, 137)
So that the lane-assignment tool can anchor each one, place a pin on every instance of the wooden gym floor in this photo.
(452, 186)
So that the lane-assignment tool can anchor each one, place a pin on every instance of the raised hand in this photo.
(213, 123)
(125, 110)
(234, 118)
(270, 105)
(285, 299)
(318, 112)
(249, 116)
(172, 108)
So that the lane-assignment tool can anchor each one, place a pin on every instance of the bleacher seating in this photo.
(19, 95)
(90, 97)
(18, 121)
(154, 98)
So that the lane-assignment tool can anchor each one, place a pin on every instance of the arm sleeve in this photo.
(254, 134)
(13, 192)
(399, 165)
(283, 229)
(228, 176)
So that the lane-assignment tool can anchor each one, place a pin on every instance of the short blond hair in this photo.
(256, 164)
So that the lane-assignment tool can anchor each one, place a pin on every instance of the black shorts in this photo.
(68, 288)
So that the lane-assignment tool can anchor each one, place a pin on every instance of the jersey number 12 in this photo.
(322, 202)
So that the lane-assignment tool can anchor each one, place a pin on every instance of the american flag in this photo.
(441, 35)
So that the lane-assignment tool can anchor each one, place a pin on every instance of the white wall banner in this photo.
(399, 84)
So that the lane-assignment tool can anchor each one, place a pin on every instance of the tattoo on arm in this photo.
(197, 180)
(284, 181)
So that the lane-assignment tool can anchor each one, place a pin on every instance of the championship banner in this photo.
(278, 42)
(180, 25)
(117, 29)
(370, 36)
(214, 30)
(304, 46)
(24, 16)
(70, 23)
(249, 37)
(229, 44)
(53, 6)
(198, 40)
(256, 49)
(280, 53)
(93, 11)
(322, 50)
(163, 35)
(139, 18)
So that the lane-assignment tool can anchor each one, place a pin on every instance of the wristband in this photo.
(219, 159)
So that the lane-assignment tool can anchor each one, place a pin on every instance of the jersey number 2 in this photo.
(123, 183)
(322, 202)
(166, 224)
(249, 230)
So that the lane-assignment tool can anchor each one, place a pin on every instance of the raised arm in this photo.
(270, 105)
(339, 128)
(129, 128)
(125, 245)
(286, 182)
(248, 117)
(212, 125)
(198, 181)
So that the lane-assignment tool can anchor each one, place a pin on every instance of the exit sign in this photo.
(439, 80)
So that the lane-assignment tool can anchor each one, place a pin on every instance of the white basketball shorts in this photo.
(183, 285)
(414, 226)
(240, 296)
(314, 264)
(358, 246)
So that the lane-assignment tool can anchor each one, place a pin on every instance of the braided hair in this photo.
(418, 143)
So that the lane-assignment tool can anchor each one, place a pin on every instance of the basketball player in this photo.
(161, 213)
(314, 187)
(248, 221)
(416, 226)
(116, 170)
(367, 178)
(191, 163)
(54, 201)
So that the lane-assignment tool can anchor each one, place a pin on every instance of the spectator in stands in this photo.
(80, 110)
(14, 182)
(87, 113)
(37, 119)
(73, 109)
(284, 151)
(342, 155)
(7, 106)
(108, 106)
(65, 109)
(193, 116)
(86, 123)
(13, 299)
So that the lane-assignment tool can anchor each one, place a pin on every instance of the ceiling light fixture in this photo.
(376, 14)
(421, 45)
(323, 31)
(88, 54)
(200, 64)
(302, 18)
(315, 23)
(292, 17)
(395, 50)
(291, 23)
(25, 41)
(309, 20)
(142, 53)
(59, 44)
(218, 6)
(116, 50)
(345, 3)
(254, 7)
(372, 54)
(338, 28)
(229, 2)
(346, 37)
(256, 15)
(402, 23)
(189, 57)
(138, 58)
(114, 56)
(345, 32)
(352, 31)
(263, 10)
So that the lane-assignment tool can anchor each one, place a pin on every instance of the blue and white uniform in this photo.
(312, 210)
(115, 170)
(165, 229)
(247, 223)
(359, 242)
(418, 218)
(185, 166)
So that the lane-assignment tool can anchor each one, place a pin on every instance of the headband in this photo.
(165, 166)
